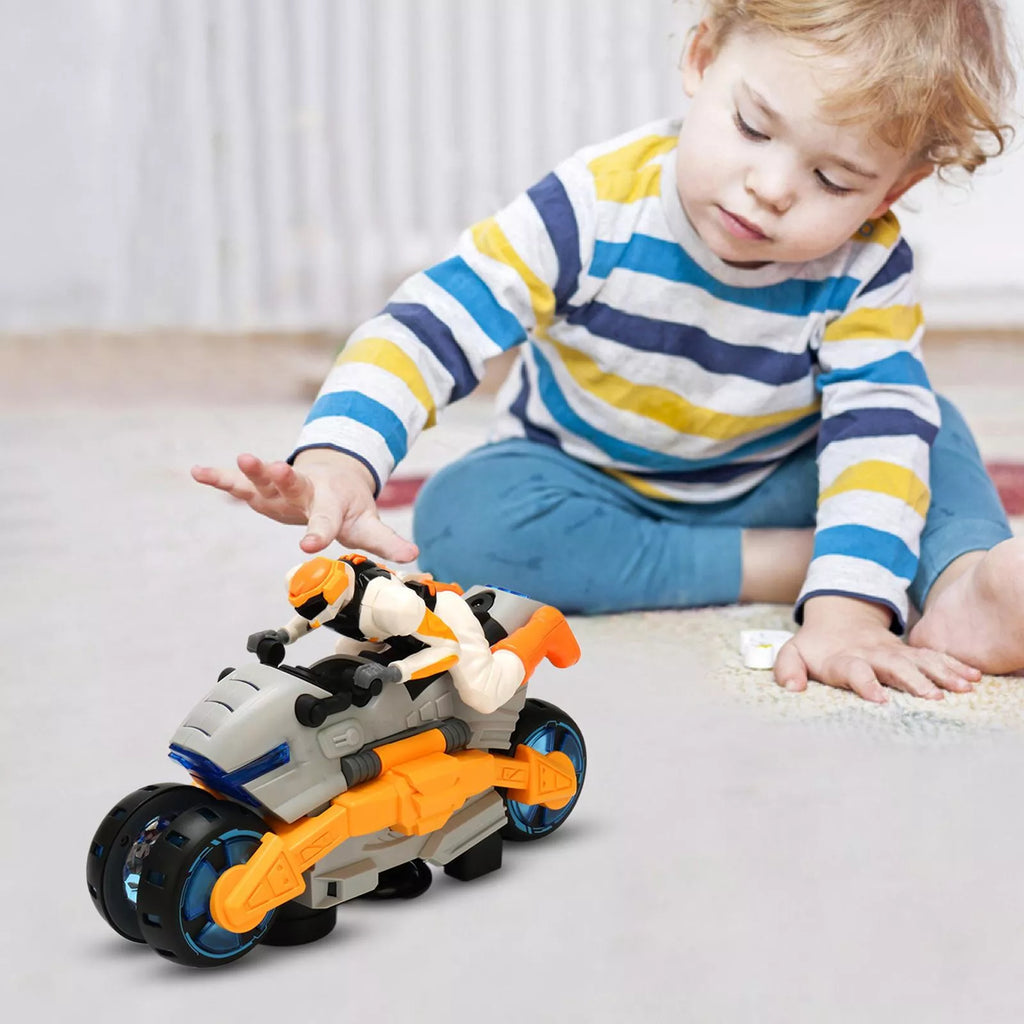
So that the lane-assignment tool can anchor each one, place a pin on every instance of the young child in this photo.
(719, 394)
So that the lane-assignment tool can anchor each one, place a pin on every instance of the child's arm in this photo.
(509, 275)
(330, 491)
(879, 418)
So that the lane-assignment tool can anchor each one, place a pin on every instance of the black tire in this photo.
(543, 727)
(296, 925)
(185, 863)
(124, 839)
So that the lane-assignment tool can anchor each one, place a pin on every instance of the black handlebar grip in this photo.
(270, 651)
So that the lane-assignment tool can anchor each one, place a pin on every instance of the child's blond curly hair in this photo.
(937, 76)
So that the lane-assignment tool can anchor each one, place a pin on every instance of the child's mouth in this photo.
(740, 228)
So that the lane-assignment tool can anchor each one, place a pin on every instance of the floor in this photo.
(737, 855)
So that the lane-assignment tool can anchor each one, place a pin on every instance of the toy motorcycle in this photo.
(308, 786)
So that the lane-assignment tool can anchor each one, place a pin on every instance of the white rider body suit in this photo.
(453, 635)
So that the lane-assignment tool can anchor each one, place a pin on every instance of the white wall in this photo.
(56, 200)
(223, 163)
(969, 245)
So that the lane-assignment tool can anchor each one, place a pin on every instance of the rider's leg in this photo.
(545, 635)
(486, 679)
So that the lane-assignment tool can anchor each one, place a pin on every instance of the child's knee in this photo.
(481, 521)
(954, 439)
(952, 419)
(452, 520)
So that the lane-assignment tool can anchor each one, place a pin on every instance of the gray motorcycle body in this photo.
(249, 715)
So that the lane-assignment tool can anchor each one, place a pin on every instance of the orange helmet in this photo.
(317, 585)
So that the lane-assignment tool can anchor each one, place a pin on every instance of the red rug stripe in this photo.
(400, 491)
(1009, 481)
(1008, 476)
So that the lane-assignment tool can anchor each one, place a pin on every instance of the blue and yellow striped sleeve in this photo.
(879, 418)
(509, 275)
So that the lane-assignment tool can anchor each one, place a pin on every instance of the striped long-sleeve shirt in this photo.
(643, 354)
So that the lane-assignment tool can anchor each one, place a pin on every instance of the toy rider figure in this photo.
(367, 603)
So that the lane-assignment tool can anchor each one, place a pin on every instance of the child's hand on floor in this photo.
(847, 643)
(330, 491)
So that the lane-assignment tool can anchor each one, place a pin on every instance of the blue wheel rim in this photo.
(206, 937)
(535, 819)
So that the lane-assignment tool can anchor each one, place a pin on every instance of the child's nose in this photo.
(771, 185)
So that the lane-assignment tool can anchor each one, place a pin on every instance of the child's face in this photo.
(763, 174)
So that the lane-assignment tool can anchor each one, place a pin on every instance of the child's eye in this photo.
(831, 186)
(745, 129)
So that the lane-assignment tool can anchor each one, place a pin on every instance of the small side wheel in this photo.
(121, 847)
(545, 728)
(183, 867)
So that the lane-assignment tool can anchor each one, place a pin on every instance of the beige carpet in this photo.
(711, 637)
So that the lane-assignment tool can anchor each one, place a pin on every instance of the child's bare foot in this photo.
(977, 614)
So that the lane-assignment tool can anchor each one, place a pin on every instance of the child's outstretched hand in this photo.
(328, 490)
(847, 643)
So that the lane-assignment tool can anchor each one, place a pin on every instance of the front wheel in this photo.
(120, 849)
(545, 728)
(183, 867)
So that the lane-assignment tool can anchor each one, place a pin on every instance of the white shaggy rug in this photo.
(711, 637)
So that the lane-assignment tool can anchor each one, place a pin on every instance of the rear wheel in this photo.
(545, 728)
(122, 844)
(174, 890)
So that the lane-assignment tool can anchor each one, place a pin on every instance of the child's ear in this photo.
(699, 53)
(902, 185)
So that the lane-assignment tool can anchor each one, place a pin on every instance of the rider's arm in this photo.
(390, 608)
(297, 627)
(287, 634)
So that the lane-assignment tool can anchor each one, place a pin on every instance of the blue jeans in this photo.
(527, 517)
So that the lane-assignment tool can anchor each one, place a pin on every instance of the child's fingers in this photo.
(857, 674)
(948, 663)
(263, 476)
(962, 668)
(313, 540)
(790, 670)
(325, 512)
(370, 534)
(296, 488)
(902, 673)
(223, 480)
(206, 475)
(945, 671)
(322, 528)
